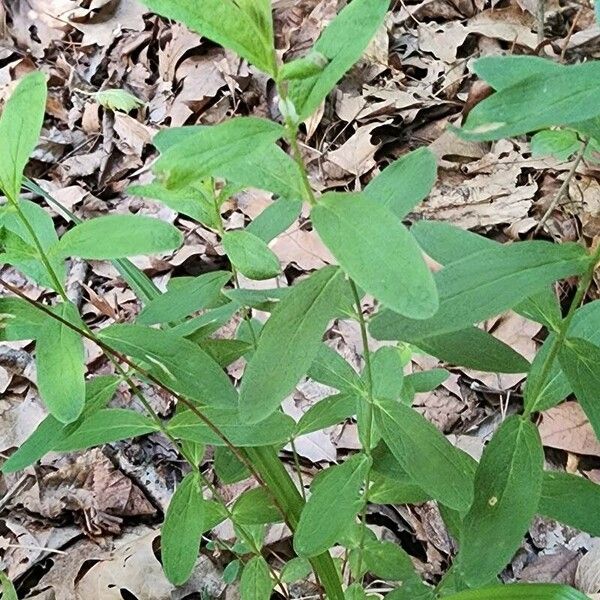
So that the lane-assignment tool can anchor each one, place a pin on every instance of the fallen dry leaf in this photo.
(567, 428)
(558, 567)
(587, 578)
(90, 488)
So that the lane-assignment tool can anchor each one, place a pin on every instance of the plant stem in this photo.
(58, 287)
(298, 469)
(274, 473)
(215, 492)
(561, 334)
(281, 487)
(368, 420)
(236, 281)
(141, 284)
(121, 357)
(541, 21)
(278, 480)
(564, 187)
(292, 137)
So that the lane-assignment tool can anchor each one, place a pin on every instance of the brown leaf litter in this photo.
(414, 81)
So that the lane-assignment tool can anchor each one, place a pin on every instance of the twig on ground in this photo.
(563, 188)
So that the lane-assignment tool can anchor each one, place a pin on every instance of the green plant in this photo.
(404, 458)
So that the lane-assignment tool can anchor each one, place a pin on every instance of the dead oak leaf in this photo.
(357, 154)
(443, 41)
(507, 24)
(38, 23)
(93, 490)
(483, 201)
(567, 428)
(104, 20)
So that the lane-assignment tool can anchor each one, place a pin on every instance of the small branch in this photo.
(561, 335)
(368, 418)
(563, 52)
(190, 405)
(563, 188)
(541, 20)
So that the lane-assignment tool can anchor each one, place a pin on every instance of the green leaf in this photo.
(388, 561)
(119, 236)
(8, 589)
(116, 99)
(139, 282)
(289, 343)
(255, 535)
(363, 235)
(21, 249)
(332, 507)
(485, 284)
(538, 397)
(390, 483)
(231, 571)
(269, 169)
(98, 391)
(191, 201)
(355, 591)
(580, 361)
(37, 445)
(426, 381)
(20, 126)
(20, 320)
(447, 243)
(256, 582)
(275, 219)
(471, 347)
(250, 255)
(255, 507)
(38, 218)
(407, 181)
(295, 570)
(541, 394)
(330, 368)
(228, 467)
(244, 26)
(203, 291)
(430, 460)
(508, 484)
(532, 104)
(181, 531)
(60, 365)
(174, 361)
(402, 594)
(327, 413)
(342, 44)
(521, 591)
(302, 68)
(105, 426)
(199, 328)
(505, 71)
(387, 369)
(192, 153)
(261, 299)
(224, 351)
(569, 499)
(559, 143)
(275, 429)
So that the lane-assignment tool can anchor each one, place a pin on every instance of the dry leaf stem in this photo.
(564, 187)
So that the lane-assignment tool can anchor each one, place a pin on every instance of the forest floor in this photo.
(85, 525)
